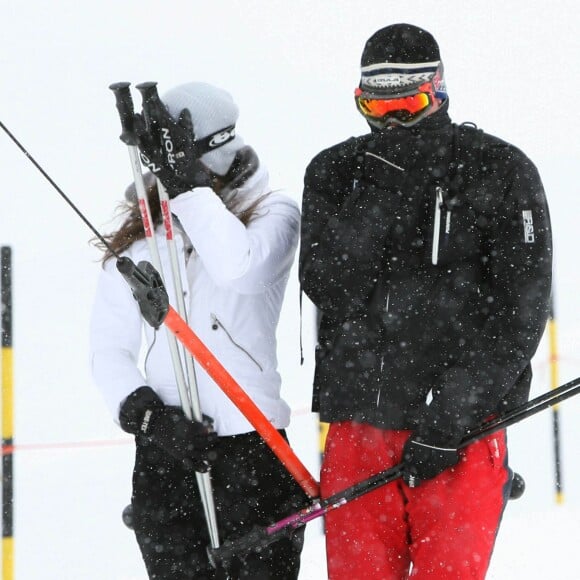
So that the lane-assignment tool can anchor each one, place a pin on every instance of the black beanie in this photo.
(399, 58)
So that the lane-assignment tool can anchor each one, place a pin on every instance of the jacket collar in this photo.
(256, 185)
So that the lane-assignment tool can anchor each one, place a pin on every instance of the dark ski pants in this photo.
(251, 487)
(443, 529)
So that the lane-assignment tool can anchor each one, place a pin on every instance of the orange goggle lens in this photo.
(378, 108)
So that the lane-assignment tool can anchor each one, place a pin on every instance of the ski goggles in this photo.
(405, 107)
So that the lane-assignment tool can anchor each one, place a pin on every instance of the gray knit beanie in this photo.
(212, 110)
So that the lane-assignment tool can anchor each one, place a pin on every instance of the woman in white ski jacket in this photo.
(236, 239)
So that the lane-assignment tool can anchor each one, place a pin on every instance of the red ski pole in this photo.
(151, 296)
(241, 400)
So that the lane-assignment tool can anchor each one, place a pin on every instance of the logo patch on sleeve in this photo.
(528, 226)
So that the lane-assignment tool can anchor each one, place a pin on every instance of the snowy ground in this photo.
(292, 67)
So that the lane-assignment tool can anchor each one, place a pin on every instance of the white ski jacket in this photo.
(234, 278)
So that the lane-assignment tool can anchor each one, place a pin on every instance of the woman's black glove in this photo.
(144, 414)
(168, 150)
(426, 454)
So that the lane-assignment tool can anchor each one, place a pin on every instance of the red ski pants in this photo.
(444, 529)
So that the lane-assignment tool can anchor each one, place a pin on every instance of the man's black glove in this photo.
(168, 150)
(193, 443)
(426, 455)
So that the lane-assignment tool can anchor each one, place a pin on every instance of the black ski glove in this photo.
(193, 443)
(427, 454)
(168, 150)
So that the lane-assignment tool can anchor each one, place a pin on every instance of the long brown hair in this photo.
(131, 229)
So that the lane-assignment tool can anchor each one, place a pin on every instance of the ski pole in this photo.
(151, 103)
(128, 136)
(151, 296)
(261, 537)
(189, 403)
(308, 484)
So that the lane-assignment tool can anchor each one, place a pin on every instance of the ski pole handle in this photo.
(230, 549)
(155, 115)
(132, 274)
(126, 111)
(148, 289)
(151, 101)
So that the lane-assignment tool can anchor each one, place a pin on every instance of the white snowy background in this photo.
(511, 67)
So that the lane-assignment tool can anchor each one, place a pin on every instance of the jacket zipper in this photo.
(380, 388)
(439, 205)
(385, 161)
(216, 322)
(437, 224)
(387, 304)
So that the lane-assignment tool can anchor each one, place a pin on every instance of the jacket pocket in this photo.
(216, 324)
(456, 235)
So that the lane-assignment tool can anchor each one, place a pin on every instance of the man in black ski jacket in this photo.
(426, 246)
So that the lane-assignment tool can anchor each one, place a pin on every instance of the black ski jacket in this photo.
(427, 251)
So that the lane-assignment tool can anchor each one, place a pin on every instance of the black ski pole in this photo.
(58, 189)
(261, 537)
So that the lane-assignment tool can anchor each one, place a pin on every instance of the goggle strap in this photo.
(215, 140)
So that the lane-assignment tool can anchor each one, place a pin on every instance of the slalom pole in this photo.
(260, 537)
(284, 447)
(554, 379)
(189, 403)
(7, 417)
(322, 436)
